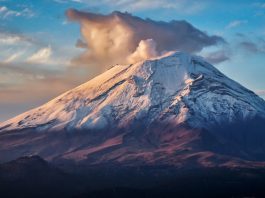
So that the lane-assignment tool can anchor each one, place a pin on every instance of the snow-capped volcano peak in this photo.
(177, 88)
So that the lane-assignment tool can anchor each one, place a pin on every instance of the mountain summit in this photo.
(170, 110)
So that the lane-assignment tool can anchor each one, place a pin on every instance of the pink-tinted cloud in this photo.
(123, 38)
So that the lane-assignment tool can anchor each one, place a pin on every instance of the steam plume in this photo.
(123, 38)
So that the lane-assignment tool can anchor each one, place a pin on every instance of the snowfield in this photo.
(178, 88)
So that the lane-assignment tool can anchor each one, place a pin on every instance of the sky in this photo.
(50, 46)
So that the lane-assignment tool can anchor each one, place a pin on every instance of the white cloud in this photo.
(13, 57)
(14, 45)
(182, 6)
(3, 9)
(41, 56)
(6, 12)
(179, 5)
(19, 48)
(236, 23)
(146, 49)
(10, 39)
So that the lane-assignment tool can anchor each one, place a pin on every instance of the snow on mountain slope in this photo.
(173, 110)
(177, 88)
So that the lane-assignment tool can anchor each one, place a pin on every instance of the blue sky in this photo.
(37, 43)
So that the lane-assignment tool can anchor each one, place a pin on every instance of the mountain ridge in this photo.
(191, 73)
(176, 109)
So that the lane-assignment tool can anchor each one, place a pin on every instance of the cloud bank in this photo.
(123, 38)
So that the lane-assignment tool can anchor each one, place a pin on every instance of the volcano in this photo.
(175, 110)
